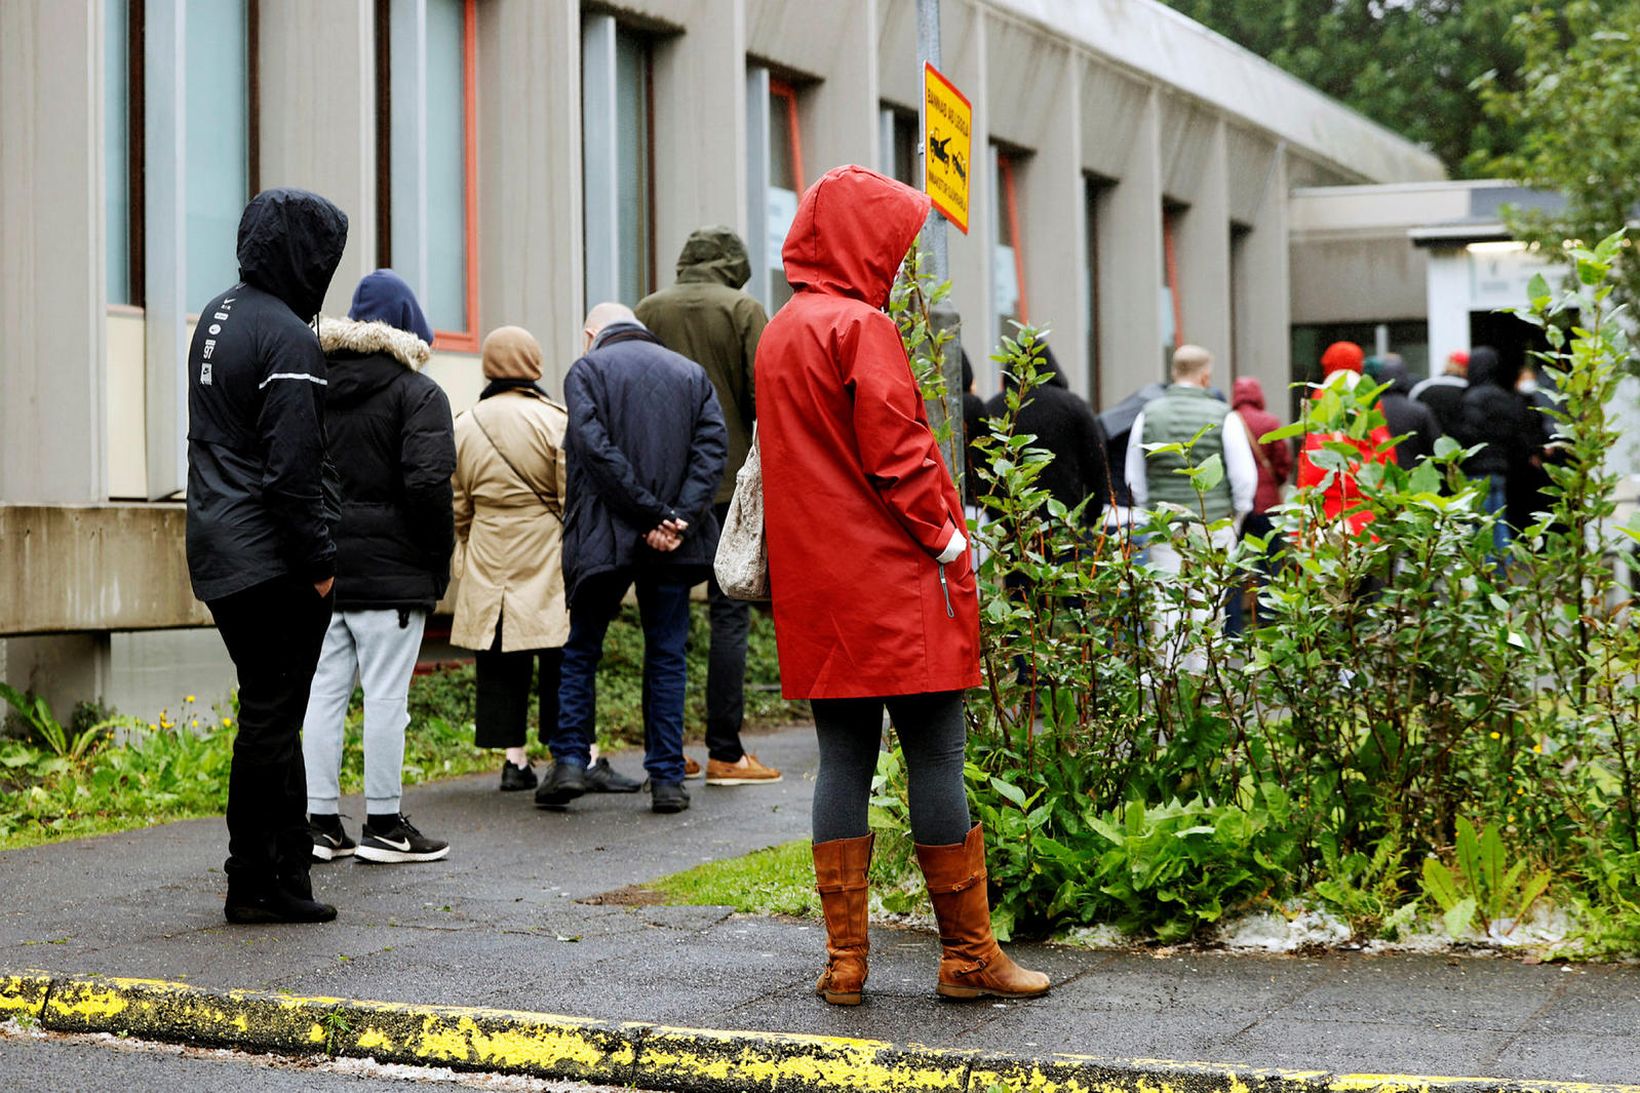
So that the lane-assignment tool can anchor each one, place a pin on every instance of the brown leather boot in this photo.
(972, 965)
(840, 876)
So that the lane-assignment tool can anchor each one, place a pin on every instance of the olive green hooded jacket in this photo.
(707, 317)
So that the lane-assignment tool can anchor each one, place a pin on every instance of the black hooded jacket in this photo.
(1065, 425)
(261, 496)
(1407, 418)
(1495, 414)
(646, 444)
(391, 428)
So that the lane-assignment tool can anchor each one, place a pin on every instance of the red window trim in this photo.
(466, 341)
(780, 89)
(1010, 206)
(1170, 259)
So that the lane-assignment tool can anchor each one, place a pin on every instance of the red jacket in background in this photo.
(1276, 466)
(857, 498)
(1344, 493)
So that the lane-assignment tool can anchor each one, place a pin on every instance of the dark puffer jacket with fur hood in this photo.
(391, 436)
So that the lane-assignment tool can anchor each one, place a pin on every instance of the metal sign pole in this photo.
(936, 261)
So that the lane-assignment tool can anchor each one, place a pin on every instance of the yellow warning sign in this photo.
(948, 122)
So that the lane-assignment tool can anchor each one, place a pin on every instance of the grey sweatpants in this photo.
(372, 648)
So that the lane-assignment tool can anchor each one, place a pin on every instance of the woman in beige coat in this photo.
(509, 504)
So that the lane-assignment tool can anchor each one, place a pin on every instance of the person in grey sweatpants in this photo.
(391, 437)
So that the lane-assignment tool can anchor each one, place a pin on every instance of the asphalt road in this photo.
(502, 923)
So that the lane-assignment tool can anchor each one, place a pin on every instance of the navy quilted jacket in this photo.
(646, 444)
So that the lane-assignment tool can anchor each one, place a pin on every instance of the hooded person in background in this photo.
(1412, 421)
(1064, 424)
(709, 318)
(1495, 415)
(1275, 468)
(262, 504)
(973, 427)
(392, 426)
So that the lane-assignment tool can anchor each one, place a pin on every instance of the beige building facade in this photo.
(516, 160)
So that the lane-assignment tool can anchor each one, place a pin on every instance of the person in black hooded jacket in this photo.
(261, 505)
(1065, 425)
(391, 428)
(1412, 421)
(1495, 415)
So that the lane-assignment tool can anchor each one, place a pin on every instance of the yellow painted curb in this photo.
(646, 1056)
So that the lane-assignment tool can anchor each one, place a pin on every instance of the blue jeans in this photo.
(663, 607)
(1497, 503)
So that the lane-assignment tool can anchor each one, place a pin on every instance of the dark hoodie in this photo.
(1493, 413)
(1411, 420)
(1063, 423)
(394, 439)
(709, 319)
(261, 496)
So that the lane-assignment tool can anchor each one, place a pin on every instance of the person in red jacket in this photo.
(873, 593)
(1341, 364)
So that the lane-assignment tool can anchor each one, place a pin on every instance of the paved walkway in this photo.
(503, 924)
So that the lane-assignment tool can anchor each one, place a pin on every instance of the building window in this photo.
(427, 101)
(219, 142)
(617, 109)
(1008, 257)
(122, 146)
(1172, 310)
(1094, 191)
(898, 134)
(1238, 287)
(785, 182)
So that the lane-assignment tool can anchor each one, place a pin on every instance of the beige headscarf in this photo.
(511, 353)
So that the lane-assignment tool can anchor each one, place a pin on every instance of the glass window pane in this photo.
(1004, 260)
(783, 183)
(905, 149)
(116, 146)
(446, 227)
(218, 145)
(632, 163)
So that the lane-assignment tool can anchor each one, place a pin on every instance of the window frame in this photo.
(1010, 210)
(466, 341)
(787, 91)
(1170, 269)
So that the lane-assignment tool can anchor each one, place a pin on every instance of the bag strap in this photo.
(551, 503)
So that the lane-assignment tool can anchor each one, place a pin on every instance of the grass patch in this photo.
(776, 881)
(65, 782)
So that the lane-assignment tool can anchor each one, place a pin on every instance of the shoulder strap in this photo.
(552, 504)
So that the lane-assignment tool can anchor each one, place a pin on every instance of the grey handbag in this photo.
(742, 562)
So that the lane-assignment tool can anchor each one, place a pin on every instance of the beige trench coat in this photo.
(509, 544)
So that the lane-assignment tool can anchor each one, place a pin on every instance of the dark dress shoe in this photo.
(603, 778)
(566, 782)
(249, 905)
(514, 777)
(667, 797)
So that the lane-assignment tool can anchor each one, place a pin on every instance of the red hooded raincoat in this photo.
(857, 499)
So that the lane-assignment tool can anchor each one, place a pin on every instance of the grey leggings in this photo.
(933, 735)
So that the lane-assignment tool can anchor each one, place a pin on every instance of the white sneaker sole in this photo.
(325, 853)
(745, 781)
(383, 856)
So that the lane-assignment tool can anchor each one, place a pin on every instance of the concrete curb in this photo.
(644, 1056)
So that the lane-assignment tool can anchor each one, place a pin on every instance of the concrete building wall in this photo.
(1108, 110)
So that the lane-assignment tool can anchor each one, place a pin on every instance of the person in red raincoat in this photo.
(873, 591)
(1341, 364)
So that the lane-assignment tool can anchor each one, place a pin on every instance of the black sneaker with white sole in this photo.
(400, 843)
(330, 838)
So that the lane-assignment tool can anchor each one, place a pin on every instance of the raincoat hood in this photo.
(1247, 391)
(851, 232)
(290, 243)
(714, 255)
(383, 296)
(1342, 357)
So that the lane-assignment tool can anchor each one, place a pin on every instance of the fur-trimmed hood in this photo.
(366, 339)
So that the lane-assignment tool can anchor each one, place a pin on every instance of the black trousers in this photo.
(725, 668)
(273, 632)
(502, 709)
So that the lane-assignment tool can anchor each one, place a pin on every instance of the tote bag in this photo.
(742, 562)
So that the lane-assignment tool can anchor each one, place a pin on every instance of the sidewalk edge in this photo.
(641, 1055)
